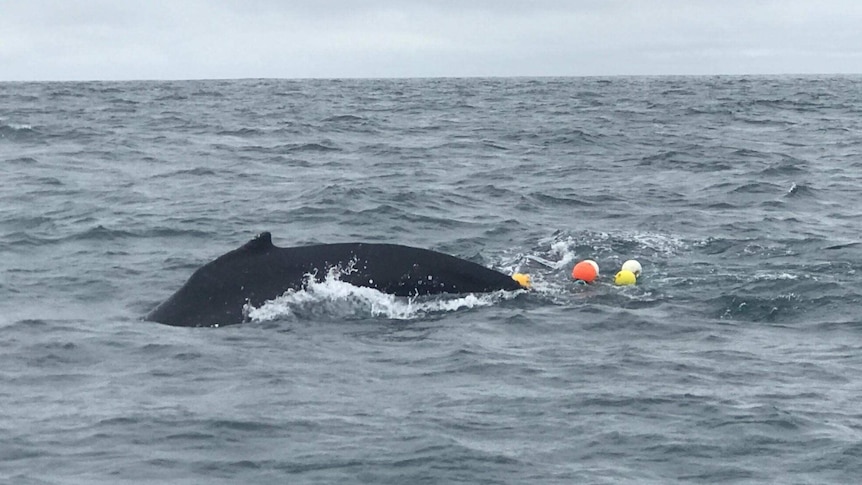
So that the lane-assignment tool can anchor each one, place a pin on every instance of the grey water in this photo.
(737, 357)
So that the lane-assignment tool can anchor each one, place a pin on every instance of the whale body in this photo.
(217, 293)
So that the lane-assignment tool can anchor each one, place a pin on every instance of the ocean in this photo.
(735, 359)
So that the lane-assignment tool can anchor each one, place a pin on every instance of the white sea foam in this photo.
(560, 255)
(336, 299)
(16, 126)
(660, 243)
(761, 275)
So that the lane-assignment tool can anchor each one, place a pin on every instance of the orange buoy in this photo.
(586, 271)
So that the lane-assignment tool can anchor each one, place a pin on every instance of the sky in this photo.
(228, 39)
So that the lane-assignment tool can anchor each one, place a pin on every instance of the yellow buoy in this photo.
(522, 279)
(625, 278)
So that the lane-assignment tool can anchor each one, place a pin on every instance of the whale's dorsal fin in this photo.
(261, 242)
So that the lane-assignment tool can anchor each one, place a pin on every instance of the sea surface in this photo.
(737, 357)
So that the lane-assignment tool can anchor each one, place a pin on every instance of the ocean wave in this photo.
(100, 233)
(345, 119)
(755, 188)
(242, 132)
(800, 191)
(193, 172)
(36, 235)
(23, 161)
(313, 147)
(17, 131)
(786, 165)
(547, 199)
(779, 297)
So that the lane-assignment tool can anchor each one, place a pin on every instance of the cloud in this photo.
(99, 39)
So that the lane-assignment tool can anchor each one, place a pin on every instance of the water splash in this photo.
(333, 299)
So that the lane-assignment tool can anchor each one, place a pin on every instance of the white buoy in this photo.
(633, 266)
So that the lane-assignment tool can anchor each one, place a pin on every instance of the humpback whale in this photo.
(258, 271)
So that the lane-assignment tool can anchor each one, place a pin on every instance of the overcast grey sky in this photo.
(193, 39)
